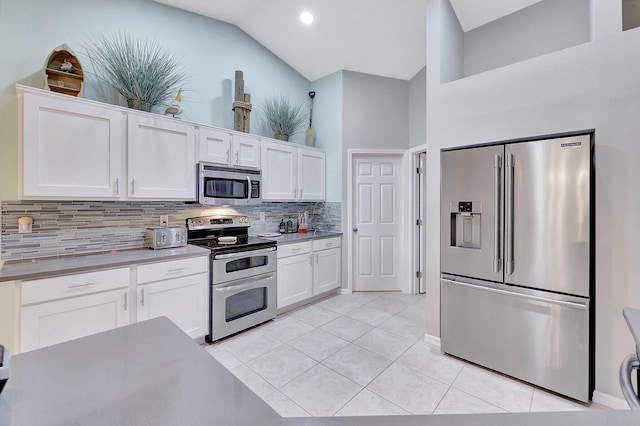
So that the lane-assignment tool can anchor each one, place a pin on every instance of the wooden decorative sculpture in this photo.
(241, 106)
(63, 72)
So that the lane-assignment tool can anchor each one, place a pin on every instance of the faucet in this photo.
(317, 212)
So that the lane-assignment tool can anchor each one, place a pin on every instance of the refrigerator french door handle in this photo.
(509, 261)
(497, 168)
(564, 303)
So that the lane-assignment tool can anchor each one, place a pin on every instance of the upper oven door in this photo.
(233, 266)
(226, 186)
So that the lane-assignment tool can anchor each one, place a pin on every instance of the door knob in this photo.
(355, 229)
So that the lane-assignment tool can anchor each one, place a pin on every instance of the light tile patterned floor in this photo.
(364, 354)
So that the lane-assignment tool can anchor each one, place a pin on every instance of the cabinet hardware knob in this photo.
(355, 229)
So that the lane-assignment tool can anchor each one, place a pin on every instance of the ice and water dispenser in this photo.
(465, 224)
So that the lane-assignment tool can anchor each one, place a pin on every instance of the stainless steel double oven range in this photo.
(242, 272)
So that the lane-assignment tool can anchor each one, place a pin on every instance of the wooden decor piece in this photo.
(241, 105)
(63, 72)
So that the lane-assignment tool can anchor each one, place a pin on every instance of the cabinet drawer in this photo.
(326, 243)
(294, 249)
(172, 269)
(73, 285)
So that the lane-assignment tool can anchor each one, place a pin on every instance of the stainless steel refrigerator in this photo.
(517, 260)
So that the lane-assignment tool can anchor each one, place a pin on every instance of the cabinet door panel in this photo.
(326, 270)
(279, 172)
(161, 159)
(295, 279)
(55, 322)
(246, 151)
(70, 149)
(214, 146)
(311, 175)
(183, 300)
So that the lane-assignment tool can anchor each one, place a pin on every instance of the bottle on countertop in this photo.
(289, 226)
(281, 228)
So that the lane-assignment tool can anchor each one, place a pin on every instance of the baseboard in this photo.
(432, 340)
(610, 401)
(345, 291)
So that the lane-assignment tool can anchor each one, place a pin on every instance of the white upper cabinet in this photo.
(291, 173)
(161, 158)
(311, 175)
(227, 148)
(214, 146)
(279, 171)
(246, 151)
(69, 148)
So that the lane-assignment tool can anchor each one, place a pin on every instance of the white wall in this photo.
(544, 27)
(211, 52)
(418, 109)
(593, 85)
(375, 115)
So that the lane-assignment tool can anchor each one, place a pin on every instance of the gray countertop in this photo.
(304, 236)
(56, 266)
(151, 373)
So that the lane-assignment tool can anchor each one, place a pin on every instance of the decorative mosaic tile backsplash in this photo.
(80, 227)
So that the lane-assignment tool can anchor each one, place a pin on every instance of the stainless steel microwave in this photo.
(219, 185)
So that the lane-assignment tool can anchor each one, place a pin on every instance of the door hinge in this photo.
(419, 274)
(419, 170)
(419, 222)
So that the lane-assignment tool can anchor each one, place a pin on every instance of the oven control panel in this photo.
(217, 222)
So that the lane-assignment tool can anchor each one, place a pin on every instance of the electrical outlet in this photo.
(164, 220)
(262, 216)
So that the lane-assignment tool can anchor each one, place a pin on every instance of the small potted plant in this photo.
(140, 70)
(282, 117)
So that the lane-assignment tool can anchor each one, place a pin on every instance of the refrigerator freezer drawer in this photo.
(543, 341)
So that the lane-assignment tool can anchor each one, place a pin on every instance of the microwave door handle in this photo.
(249, 189)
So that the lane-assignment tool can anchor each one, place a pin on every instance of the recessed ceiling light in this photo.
(306, 17)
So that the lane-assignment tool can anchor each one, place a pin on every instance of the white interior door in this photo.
(377, 222)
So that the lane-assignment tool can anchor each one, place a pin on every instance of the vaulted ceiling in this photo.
(380, 37)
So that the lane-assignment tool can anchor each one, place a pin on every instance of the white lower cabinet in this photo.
(55, 310)
(326, 270)
(295, 274)
(64, 308)
(178, 290)
(307, 269)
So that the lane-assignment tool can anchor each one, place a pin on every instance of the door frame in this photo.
(404, 265)
(413, 154)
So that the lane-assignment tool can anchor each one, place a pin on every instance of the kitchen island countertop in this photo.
(151, 373)
(48, 267)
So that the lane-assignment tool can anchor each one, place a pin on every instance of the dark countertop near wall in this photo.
(48, 267)
(298, 237)
(151, 373)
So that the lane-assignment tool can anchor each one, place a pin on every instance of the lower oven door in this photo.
(240, 304)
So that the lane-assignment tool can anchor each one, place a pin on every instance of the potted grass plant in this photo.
(282, 117)
(142, 71)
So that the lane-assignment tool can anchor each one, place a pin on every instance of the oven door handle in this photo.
(243, 253)
(235, 287)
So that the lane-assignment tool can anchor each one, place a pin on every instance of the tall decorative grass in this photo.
(283, 117)
(140, 70)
